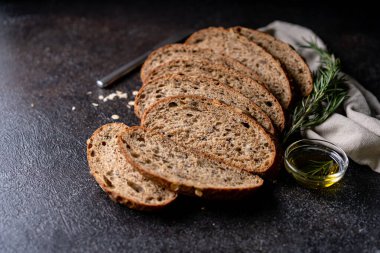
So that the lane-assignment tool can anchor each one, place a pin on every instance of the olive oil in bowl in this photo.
(315, 163)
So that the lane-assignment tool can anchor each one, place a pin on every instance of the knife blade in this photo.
(138, 61)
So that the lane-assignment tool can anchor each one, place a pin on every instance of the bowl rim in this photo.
(320, 142)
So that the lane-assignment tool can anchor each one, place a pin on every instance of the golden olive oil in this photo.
(314, 162)
(316, 168)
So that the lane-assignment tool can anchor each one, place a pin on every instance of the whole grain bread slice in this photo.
(292, 62)
(172, 52)
(174, 85)
(182, 170)
(117, 177)
(212, 127)
(245, 85)
(267, 68)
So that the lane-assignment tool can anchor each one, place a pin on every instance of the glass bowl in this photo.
(315, 163)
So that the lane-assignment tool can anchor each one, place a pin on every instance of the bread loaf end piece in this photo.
(117, 177)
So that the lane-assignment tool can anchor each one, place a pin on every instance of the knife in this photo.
(137, 62)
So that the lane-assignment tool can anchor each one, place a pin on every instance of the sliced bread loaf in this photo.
(172, 52)
(292, 62)
(117, 177)
(174, 85)
(181, 170)
(247, 86)
(214, 128)
(229, 43)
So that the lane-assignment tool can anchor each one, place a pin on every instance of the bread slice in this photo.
(174, 85)
(117, 177)
(268, 69)
(291, 61)
(181, 170)
(172, 52)
(247, 86)
(214, 128)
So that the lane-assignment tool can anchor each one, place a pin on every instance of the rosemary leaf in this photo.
(322, 168)
(327, 95)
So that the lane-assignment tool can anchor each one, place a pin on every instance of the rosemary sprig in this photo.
(325, 98)
(322, 168)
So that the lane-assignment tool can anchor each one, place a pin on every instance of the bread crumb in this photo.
(73, 108)
(128, 106)
(118, 94)
(115, 116)
(89, 92)
(198, 192)
(121, 94)
(31, 105)
(110, 97)
(135, 92)
(174, 187)
(95, 104)
(131, 103)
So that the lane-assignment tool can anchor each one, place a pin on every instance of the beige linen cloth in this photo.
(358, 131)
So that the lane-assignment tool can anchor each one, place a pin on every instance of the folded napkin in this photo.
(357, 132)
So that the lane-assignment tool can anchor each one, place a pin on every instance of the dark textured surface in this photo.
(50, 55)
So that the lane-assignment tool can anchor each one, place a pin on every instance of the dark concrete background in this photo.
(50, 55)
